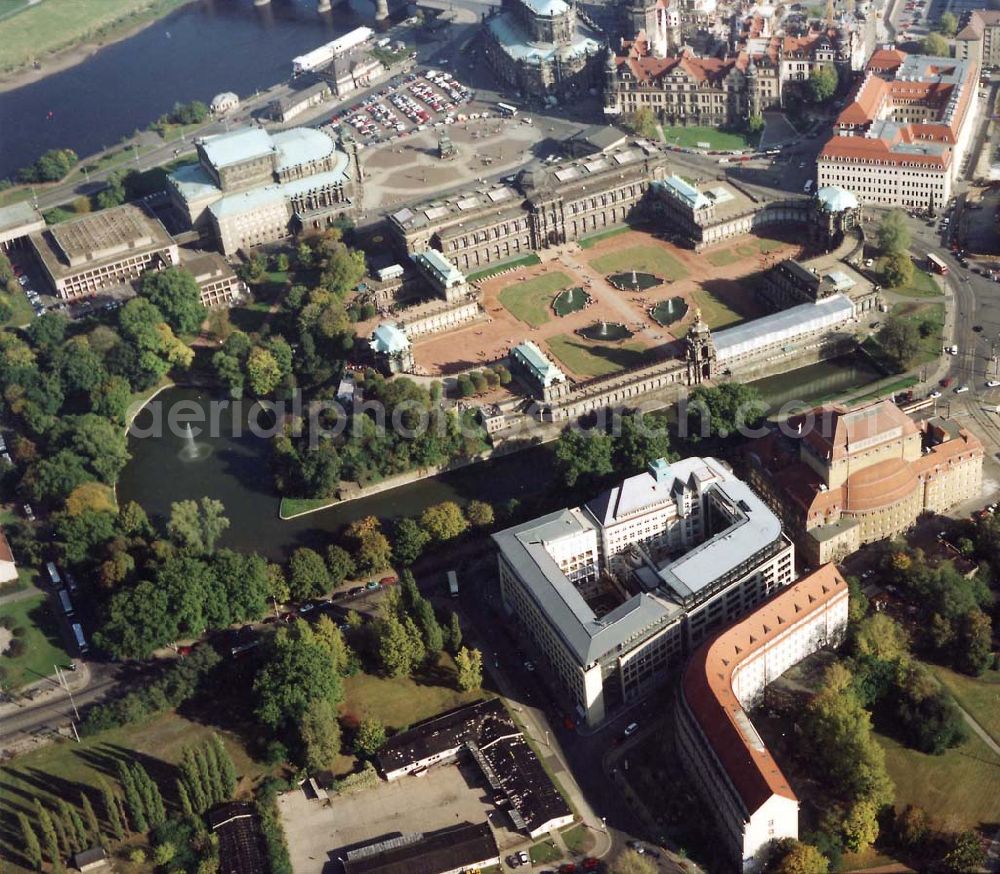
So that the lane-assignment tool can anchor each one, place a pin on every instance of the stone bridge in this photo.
(381, 7)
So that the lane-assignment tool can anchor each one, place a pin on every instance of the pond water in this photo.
(233, 467)
(608, 332)
(569, 301)
(666, 312)
(633, 280)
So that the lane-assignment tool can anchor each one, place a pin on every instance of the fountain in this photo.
(668, 311)
(191, 450)
(634, 281)
(607, 332)
(569, 301)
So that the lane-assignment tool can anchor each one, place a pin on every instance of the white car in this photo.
(992, 383)
(961, 388)
(934, 394)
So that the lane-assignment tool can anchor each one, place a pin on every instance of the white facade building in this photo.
(742, 784)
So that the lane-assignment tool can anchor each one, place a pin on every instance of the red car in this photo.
(388, 581)
(590, 863)
(568, 868)
(946, 382)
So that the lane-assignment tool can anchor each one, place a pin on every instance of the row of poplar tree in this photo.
(207, 778)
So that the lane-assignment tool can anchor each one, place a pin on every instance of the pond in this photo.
(819, 382)
(608, 332)
(569, 301)
(634, 281)
(232, 466)
(668, 311)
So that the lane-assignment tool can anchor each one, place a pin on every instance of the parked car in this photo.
(523, 857)
(29, 513)
(961, 388)
(372, 584)
(631, 729)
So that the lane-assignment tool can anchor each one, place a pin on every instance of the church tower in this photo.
(700, 351)
(640, 15)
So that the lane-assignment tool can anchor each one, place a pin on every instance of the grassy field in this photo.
(888, 388)
(979, 695)
(648, 259)
(596, 359)
(404, 701)
(526, 261)
(64, 769)
(531, 300)
(931, 315)
(578, 839)
(43, 645)
(692, 137)
(923, 283)
(544, 853)
(51, 25)
(716, 313)
(291, 507)
(962, 783)
(594, 239)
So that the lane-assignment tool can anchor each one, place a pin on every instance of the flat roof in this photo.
(193, 182)
(460, 846)
(246, 201)
(237, 146)
(301, 145)
(20, 215)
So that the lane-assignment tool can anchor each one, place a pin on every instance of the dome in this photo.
(834, 199)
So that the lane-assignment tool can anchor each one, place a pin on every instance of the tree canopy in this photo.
(175, 293)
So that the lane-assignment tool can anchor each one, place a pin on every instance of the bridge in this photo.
(381, 7)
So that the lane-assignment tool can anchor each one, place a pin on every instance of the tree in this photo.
(197, 526)
(48, 830)
(277, 585)
(642, 123)
(151, 798)
(755, 123)
(430, 629)
(860, 825)
(319, 735)
(640, 440)
(297, 670)
(790, 856)
(112, 813)
(262, 371)
(947, 24)
(370, 736)
(30, 848)
(897, 270)
(409, 541)
(90, 819)
(936, 46)
(822, 83)
(340, 565)
(880, 637)
(899, 340)
(894, 233)
(443, 521)
(454, 633)
(175, 293)
(90, 498)
(372, 550)
(630, 862)
(330, 636)
(723, 411)
(134, 804)
(912, 827)
(55, 477)
(469, 663)
(394, 653)
(966, 853)
(582, 454)
(479, 513)
(974, 643)
(227, 770)
(307, 574)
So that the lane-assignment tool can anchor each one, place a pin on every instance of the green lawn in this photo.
(725, 257)
(525, 261)
(403, 701)
(960, 784)
(43, 645)
(578, 839)
(63, 769)
(979, 695)
(594, 239)
(51, 25)
(930, 315)
(716, 313)
(544, 853)
(691, 137)
(530, 300)
(923, 283)
(291, 507)
(647, 259)
(596, 359)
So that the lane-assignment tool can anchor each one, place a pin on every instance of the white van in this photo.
(53, 573)
(808, 186)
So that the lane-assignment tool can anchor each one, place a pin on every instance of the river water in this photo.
(234, 470)
(205, 48)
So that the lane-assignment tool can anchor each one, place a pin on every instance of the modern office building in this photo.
(102, 250)
(751, 800)
(843, 477)
(615, 592)
(902, 136)
(251, 187)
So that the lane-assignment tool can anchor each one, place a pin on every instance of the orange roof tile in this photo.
(880, 485)
(5, 551)
(708, 684)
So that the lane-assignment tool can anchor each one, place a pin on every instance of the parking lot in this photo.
(319, 831)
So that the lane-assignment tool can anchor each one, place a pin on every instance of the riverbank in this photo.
(55, 46)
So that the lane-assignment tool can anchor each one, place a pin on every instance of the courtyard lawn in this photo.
(979, 695)
(692, 137)
(43, 28)
(525, 261)
(577, 839)
(716, 312)
(43, 645)
(404, 701)
(647, 259)
(530, 301)
(960, 784)
(596, 359)
(594, 239)
(544, 853)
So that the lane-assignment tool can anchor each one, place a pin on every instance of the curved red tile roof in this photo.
(708, 684)
(881, 485)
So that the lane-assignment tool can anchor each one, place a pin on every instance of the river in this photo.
(234, 470)
(196, 52)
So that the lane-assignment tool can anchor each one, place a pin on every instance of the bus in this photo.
(936, 265)
(53, 573)
(506, 110)
(452, 584)
(81, 641)
(67, 605)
